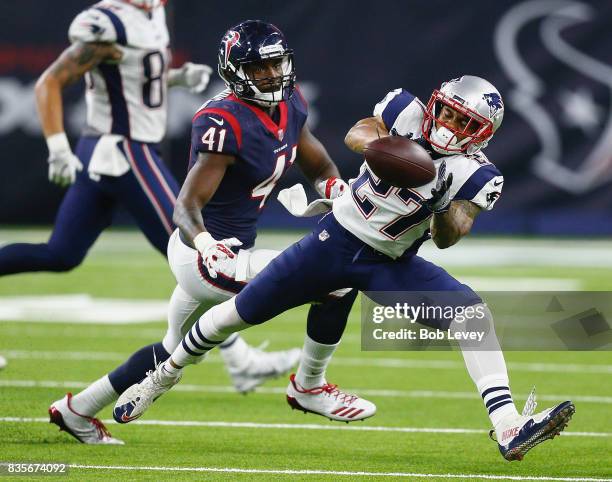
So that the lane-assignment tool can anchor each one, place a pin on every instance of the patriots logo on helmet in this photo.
(232, 38)
(494, 101)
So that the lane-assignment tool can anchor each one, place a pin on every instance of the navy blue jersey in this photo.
(263, 149)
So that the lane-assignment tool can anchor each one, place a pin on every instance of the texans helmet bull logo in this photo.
(232, 38)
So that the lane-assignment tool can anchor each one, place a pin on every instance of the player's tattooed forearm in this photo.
(448, 228)
(467, 208)
(84, 53)
(80, 58)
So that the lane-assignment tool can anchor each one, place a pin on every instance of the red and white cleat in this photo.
(328, 401)
(88, 430)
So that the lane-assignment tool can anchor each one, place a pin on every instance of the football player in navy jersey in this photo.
(243, 141)
(122, 49)
(370, 242)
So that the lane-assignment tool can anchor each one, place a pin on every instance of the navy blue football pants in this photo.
(331, 258)
(147, 191)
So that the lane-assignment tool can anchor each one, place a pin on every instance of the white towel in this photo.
(107, 159)
(294, 200)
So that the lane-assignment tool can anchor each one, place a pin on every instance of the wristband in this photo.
(324, 187)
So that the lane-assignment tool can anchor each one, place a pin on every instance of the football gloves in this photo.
(215, 254)
(440, 195)
(332, 188)
(193, 76)
(63, 164)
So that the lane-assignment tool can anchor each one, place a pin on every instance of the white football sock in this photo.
(313, 363)
(487, 368)
(95, 397)
(212, 328)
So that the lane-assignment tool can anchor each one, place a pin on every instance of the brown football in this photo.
(399, 161)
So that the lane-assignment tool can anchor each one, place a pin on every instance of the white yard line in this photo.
(382, 393)
(303, 426)
(345, 473)
(237, 470)
(499, 283)
(81, 309)
(338, 361)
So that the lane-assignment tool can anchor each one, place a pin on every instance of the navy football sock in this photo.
(24, 257)
(327, 321)
(137, 366)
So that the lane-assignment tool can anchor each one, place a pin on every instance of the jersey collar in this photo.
(277, 130)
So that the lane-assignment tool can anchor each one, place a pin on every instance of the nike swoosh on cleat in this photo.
(498, 183)
(217, 121)
(125, 418)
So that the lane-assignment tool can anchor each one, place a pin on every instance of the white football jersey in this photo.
(128, 98)
(392, 220)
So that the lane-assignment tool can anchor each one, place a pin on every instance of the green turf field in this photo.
(220, 435)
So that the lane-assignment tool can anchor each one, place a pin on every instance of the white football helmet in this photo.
(473, 97)
(147, 5)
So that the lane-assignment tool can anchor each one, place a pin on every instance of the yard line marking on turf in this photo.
(339, 361)
(383, 393)
(349, 473)
(81, 308)
(63, 355)
(450, 364)
(488, 283)
(302, 426)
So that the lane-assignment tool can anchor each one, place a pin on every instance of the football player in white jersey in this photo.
(122, 49)
(370, 242)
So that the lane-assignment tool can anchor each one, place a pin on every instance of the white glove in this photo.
(63, 164)
(332, 188)
(215, 253)
(193, 76)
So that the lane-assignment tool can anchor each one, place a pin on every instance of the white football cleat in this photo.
(88, 430)
(518, 434)
(259, 366)
(3, 362)
(136, 399)
(328, 401)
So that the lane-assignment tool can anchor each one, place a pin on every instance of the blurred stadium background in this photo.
(547, 57)
(550, 230)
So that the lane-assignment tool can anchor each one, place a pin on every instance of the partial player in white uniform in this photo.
(122, 49)
(370, 243)
(396, 219)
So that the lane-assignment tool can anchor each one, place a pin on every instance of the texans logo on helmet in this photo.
(231, 38)
(495, 103)
(560, 89)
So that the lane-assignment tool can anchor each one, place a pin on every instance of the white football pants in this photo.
(194, 295)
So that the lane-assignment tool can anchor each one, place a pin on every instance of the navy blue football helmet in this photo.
(254, 41)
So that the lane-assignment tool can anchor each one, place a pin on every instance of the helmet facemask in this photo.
(265, 91)
(446, 139)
